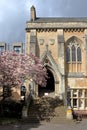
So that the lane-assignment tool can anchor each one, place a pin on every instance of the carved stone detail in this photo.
(51, 41)
(41, 41)
(74, 30)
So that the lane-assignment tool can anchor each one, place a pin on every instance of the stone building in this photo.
(16, 46)
(19, 48)
(61, 44)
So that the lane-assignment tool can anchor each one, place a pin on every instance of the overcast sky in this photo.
(15, 13)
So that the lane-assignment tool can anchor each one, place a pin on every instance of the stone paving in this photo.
(48, 126)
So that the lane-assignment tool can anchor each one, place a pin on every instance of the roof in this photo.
(59, 19)
(57, 23)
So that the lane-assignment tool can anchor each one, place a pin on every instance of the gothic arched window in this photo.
(79, 54)
(73, 55)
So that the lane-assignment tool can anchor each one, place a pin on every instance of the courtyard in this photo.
(48, 126)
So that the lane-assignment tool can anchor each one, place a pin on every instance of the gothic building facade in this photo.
(61, 44)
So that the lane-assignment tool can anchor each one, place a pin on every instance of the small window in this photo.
(81, 103)
(80, 93)
(75, 93)
(17, 49)
(85, 93)
(75, 103)
(86, 103)
(1, 48)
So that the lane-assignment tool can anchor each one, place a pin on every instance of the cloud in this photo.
(61, 8)
(77, 8)
(12, 20)
(15, 13)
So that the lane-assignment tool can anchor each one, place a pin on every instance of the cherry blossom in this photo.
(15, 68)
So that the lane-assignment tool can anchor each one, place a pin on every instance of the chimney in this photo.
(33, 13)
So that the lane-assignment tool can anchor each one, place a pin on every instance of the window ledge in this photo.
(75, 75)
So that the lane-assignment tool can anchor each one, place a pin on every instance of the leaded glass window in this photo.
(68, 54)
(79, 54)
(73, 53)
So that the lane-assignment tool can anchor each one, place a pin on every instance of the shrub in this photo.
(11, 108)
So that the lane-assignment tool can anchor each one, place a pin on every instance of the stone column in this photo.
(27, 43)
(36, 91)
(56, 88)
(61, 62)
(63, 89)
(33, 42)
(85, 33)
(61, 55)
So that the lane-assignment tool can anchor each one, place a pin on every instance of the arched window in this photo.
(73, 53)
(68, 54)
(79, 54)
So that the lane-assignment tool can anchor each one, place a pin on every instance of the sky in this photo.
(15, 13)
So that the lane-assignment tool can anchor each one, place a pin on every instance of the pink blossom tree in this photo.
(15, 68)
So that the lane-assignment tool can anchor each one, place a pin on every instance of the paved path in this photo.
(48, 126)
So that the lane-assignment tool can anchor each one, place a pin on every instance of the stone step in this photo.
(60, 120)
(47, 109)
(60, 111)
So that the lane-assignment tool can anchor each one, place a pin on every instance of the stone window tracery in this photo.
(73, 49)
(73, 56)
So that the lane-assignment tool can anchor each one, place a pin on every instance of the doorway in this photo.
(50, 86)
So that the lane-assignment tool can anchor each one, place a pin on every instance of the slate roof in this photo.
(59, 19)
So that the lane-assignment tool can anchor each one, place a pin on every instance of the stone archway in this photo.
(53, 86)
(50, 87)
